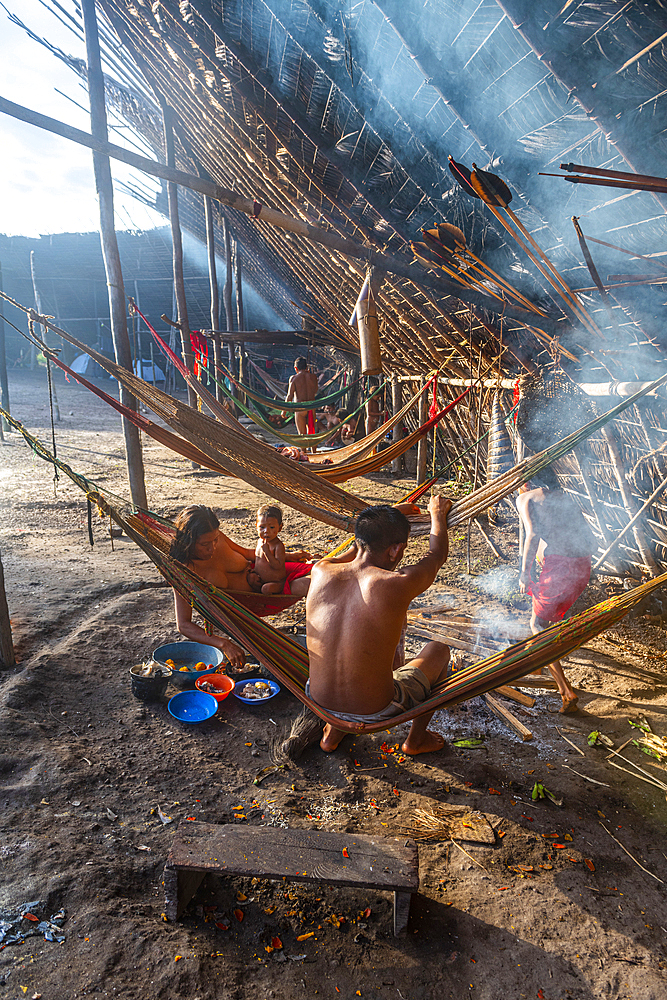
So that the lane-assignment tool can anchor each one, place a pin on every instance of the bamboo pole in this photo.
(112, 266)
(7, 657)
(4, 384)
(213, 284)
(177, 248)
(38, 307)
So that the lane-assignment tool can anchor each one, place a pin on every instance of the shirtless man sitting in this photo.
(302, 386)
(355, 613)
(560, 542)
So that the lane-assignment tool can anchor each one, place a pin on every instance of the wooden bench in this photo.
(341, 859)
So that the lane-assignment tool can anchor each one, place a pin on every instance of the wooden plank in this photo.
(504, 713)
(297, 855)
(514, 695)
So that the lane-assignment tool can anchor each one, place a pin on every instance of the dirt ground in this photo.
(85, 767)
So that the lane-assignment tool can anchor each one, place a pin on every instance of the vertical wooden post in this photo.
(114, 274)
(215, 299)
(422, 447)
(177, 249)
(7, 657)
(397, 432)
(238, 283)
(4, 385)
(227, 298)
(38, 307)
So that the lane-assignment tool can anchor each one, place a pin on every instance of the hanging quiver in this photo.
(500, 457)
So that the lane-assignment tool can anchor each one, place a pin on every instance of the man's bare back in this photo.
(302, 387)
(355, 612)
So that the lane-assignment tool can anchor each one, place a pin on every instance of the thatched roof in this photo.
(346, 119)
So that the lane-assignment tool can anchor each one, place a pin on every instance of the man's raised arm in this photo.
(423, 573)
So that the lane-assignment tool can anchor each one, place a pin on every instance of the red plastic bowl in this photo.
(222, 682)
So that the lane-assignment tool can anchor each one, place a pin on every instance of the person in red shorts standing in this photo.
(556, 561)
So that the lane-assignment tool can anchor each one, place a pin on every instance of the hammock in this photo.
(287, 660)
(250, 460)
(300, 440)
(278, 404)
(332, 473)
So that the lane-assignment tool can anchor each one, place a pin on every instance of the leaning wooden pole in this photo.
(114, 274)
(4, 384)
(177, 250)
(227, 299)
(422, 446)
(215, 299)
(7, 657)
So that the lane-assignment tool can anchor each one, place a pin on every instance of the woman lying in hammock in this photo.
(204, 548)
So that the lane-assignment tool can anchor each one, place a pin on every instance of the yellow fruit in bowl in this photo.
(170, 663)
(200, 666)
(181, 669)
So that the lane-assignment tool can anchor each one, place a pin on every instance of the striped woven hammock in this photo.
(287, 660)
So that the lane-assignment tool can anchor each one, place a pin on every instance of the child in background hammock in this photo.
(271, 574)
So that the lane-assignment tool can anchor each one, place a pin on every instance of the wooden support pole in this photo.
(112, 267)
(177, 249)
(227, 298)
(4, 385)
(422, 446)
(215, 298)
(44, 336)
(397, 432)
(7, 657)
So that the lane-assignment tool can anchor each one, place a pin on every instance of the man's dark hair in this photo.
(547, 478)
(377, 528)
(301, 363)
(191, 524)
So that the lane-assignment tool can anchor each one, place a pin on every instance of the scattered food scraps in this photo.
(163, 816)
(304, 937)
(589, 864)
(540, 792)
(239, 914)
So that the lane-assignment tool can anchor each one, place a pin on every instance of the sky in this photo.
(46, 183)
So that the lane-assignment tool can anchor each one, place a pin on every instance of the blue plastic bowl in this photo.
(188, 652)
(275, 689)
(192, 706)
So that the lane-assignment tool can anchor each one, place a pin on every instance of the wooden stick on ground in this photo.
(511, 720)
(630, 855)
(514, 695)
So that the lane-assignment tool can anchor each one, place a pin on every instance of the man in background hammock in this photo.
(302, 386)
(556, 561)
(355, 614)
